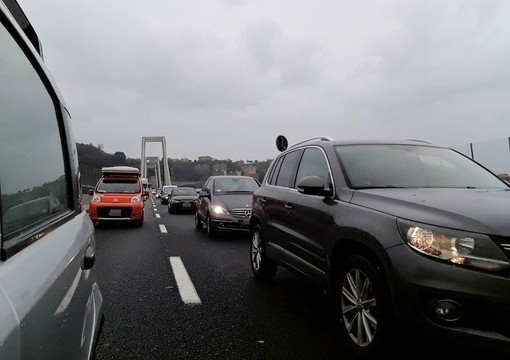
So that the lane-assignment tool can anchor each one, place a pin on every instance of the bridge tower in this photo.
(143, 163)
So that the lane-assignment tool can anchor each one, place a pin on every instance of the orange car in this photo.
(118, 196)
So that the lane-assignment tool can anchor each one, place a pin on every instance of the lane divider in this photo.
(162, 229)
(187, 290)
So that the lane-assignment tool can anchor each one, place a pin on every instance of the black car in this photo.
(402, 234)
(224, 203)
(182, 199)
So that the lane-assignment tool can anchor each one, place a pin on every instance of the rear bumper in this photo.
(116, 212)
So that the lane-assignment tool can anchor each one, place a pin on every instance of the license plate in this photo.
(186, 205)
(114, 212)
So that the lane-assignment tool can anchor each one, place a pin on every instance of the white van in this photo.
(50, 300)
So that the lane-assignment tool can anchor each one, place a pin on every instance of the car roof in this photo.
(120, 171)
(328, 141)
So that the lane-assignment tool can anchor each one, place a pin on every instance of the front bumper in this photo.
(483, 299)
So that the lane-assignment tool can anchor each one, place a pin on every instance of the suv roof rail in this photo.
(321, 138)
(422, 141)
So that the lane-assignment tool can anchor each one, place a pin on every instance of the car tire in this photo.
(211, 231)
(366, 329)
(198, 223)
(261, 266)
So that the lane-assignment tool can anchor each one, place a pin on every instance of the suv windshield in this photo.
(386, 166)
(124, 186)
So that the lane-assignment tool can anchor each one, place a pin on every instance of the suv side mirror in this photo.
(313, 185)
(91, 191)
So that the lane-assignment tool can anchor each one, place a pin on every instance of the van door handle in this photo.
(89, 258)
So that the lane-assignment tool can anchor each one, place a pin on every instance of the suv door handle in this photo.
(288, 207)
(89, 258)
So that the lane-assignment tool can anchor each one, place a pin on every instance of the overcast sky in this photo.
(225, 77)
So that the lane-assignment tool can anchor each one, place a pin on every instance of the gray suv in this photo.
(50, 301)
(401, 234)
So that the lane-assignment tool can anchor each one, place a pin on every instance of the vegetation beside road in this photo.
(92, 158)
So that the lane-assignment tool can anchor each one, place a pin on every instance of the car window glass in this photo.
(127, 186)
(274, 171)
(32, 174)
(413, 166)
(286, 173)
(313, 162)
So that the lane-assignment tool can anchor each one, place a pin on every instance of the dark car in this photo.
(400, 233)
(165, 193)
(182, 199)
(224, 203)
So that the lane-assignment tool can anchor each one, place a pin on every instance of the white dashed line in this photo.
(186, 288)
(162, 229)
(157, 216)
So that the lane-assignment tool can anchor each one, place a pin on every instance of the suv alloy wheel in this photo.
(262, 267)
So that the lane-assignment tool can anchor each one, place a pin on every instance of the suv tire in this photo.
(262, 267)
(360, 282)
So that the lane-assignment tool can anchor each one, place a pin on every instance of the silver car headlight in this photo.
(455, 246)
(217, 209)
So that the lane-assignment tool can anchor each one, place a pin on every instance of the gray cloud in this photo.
(232, 74)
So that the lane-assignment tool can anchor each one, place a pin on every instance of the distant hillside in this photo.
(92, 158)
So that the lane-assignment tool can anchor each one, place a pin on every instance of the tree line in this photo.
(92, 159)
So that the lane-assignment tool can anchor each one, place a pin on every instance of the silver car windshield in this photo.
(388, 166)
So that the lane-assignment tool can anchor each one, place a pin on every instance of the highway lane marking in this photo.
(158, 216)
(162, 229)
(186, 288)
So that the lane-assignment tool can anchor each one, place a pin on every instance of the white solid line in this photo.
(158, 216)
(186, 288)
(162, 229)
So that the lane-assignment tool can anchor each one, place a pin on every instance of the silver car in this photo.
(50, 302)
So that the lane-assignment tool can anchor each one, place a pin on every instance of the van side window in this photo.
(33, 185)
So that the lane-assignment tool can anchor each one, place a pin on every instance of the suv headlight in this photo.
(455, 246)
(136, 199)
(96, 198)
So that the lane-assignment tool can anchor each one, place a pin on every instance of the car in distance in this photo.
(118, 196)
(182, 199)
(402, 234)
(165, 192)
(224, 203)
(50, 299)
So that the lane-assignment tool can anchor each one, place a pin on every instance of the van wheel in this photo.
(262, 267)
(364, 316)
